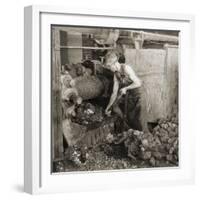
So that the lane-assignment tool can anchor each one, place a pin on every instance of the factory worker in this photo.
(125, 99)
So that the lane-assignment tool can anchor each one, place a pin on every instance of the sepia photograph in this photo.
(114, 98)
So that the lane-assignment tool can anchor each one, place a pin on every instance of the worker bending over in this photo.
(126, 93)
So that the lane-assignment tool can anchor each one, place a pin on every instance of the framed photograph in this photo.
(107, 99)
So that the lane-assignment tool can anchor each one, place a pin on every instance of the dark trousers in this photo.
(132, 105)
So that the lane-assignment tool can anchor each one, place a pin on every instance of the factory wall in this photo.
(158, 69)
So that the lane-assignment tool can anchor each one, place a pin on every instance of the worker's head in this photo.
(110, 59)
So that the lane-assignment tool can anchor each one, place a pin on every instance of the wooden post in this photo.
(57, 137)
(170, 79)
(138, 39)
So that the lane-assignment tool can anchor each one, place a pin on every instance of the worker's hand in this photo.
(123, 91)
(108, 112)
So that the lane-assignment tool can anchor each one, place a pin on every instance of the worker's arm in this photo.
(136, 82)
(114, 94)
